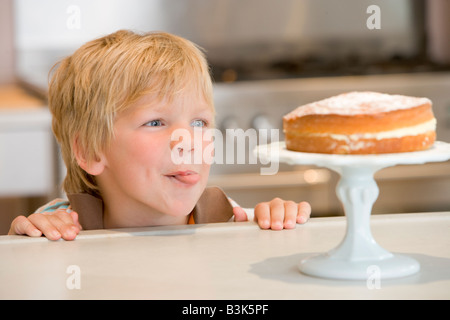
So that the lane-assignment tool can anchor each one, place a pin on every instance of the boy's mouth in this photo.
(186, 177)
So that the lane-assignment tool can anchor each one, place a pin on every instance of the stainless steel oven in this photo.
(310, 48)
(261, 104)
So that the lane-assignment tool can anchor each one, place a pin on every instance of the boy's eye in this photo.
(199, 123)
(154, 123)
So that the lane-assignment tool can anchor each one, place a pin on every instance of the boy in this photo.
(116, 103)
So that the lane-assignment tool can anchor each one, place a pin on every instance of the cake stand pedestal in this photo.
(358, 256)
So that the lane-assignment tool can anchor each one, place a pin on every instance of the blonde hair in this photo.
(104, 77)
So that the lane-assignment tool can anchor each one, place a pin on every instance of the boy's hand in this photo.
(239, 214)
(54, 225)
(278, 214)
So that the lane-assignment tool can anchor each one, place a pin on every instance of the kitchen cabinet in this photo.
(27, 145)
(27, 155)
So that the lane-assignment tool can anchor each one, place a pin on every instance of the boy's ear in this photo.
(93, 167)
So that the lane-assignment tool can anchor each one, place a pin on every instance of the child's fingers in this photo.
(262, 215)
(45, 223)
(55, 225)
(74, 216)
(22, 225)
(304, 212)
(239, 214)
(64, 223)
(290, 215)
(277, 214)
(71, 226)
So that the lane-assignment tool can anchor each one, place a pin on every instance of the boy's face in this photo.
(139, 166)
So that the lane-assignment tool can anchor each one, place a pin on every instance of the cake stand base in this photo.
(326, 266)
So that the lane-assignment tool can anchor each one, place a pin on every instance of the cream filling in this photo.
(398, 133)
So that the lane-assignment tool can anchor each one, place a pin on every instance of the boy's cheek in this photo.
(209, 152)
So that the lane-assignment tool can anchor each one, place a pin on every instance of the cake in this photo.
(361, 123)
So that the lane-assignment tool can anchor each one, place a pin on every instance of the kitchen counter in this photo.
(221, 261)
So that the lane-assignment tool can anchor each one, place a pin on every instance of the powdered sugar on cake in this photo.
(357, 102)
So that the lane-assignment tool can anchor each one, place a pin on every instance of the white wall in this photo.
(59, 24)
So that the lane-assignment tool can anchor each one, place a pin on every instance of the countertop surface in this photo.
(221, 261)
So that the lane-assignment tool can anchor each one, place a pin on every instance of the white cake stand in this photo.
(358, 253)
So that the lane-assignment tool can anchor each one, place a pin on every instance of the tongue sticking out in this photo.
(187, 177)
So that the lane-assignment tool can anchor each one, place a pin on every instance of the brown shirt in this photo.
(213, 206)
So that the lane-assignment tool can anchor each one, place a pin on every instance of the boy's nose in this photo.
(182, 141)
